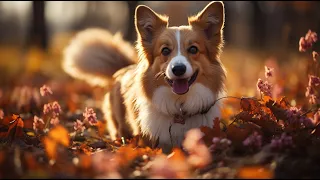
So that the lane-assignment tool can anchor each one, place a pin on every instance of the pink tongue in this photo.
(180, 86)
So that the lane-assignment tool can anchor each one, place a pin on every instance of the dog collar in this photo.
(182, 116)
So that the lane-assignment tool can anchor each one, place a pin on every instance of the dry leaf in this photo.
(51, 147)
(254, 172)
(210, 133)
(85, 161)
(60, 135)
(101, 125)
(250, 105)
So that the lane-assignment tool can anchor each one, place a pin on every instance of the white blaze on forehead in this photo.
(178, 41)
(177, 60)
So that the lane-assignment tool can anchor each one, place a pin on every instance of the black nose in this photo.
(178, 69)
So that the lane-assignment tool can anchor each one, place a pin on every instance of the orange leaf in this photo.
(85, 161)
(283, 103)
(177, 155)
(60, 135)
(266, 98)
(101, 125)
(254, 172)
(57, 135)
(85, 148)
(15, 128)
(71, 105)
(226, 113)
(51, 147)
(125, 155)
(250, 105)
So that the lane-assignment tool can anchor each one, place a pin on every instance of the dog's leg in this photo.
(112, 125)
(120, 112)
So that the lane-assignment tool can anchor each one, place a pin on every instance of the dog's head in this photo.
(178, 57)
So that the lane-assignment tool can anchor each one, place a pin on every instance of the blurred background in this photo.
(33, 35)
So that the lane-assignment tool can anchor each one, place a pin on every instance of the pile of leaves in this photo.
(266, 138)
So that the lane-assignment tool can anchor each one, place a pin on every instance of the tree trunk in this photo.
(131, 33)
(38, 32)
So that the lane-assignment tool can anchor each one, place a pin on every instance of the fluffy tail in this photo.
(94, 55)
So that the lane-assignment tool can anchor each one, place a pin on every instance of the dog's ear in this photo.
(148, 22)
(210, 19)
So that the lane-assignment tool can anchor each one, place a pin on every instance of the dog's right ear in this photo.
(148, 22)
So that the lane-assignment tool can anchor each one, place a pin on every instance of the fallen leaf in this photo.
(51, 147)
(254, 172)
(57, 135)
(15, 128)
(101, 125)
(60, 135)
(85, 161)
(177, 155)
(250, 105)
(210, 133)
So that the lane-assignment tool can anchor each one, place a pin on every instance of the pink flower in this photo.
(294, 115)
(314, 81)
(219, 144)
(38, 123)
(47, 108)
(268, 71)
(79, 126)
(254, 141)
(200, 155)
(264, 87)
(307, 122)
(1, 114)
(56, 109)
(313, 99)
(282, 142)
(45, 90)
(90, 116)
(52, 107)
(309, 91)
(54, 121)
(307, 41)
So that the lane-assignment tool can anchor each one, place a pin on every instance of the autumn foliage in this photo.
(258, 139)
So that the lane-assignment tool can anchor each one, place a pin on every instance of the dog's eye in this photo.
(165, 51)
(193, 50)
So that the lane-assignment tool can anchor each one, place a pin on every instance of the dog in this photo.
(168, 84)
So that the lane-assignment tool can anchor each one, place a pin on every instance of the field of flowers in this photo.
(53, 127)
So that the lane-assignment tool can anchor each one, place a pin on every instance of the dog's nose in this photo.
(178, 69)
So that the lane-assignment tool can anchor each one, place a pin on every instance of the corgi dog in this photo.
(165, 86)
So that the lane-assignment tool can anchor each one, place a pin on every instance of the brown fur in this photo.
(141, 79)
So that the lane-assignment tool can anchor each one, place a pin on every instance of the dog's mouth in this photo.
(181, 86)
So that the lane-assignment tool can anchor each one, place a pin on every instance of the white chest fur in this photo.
(156, 117)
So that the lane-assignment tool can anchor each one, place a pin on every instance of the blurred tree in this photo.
(131, 33)
(38, 30)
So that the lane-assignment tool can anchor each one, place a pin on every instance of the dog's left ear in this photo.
(210, 19)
